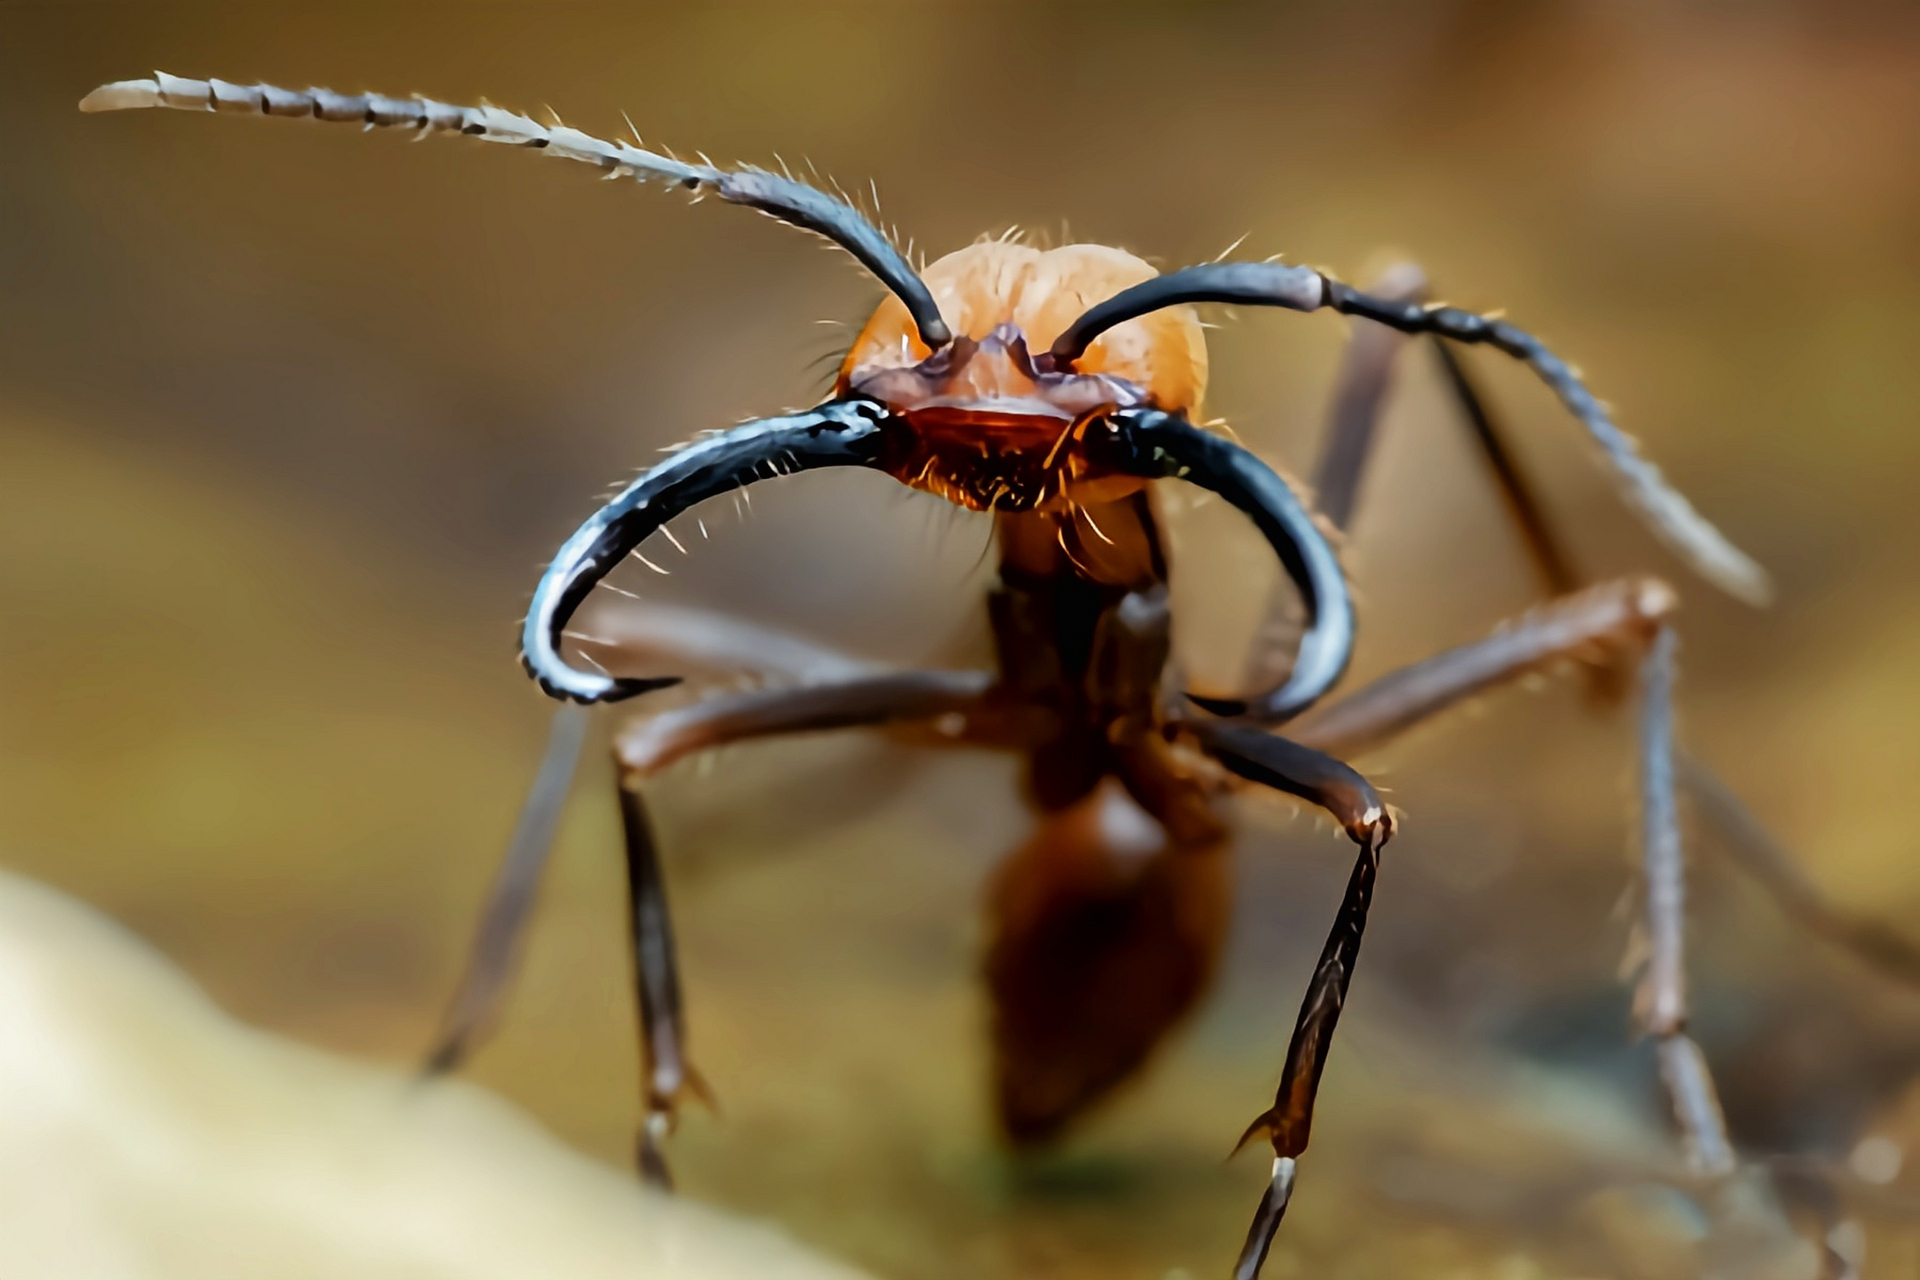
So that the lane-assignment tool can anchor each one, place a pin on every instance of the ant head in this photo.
(994, 425)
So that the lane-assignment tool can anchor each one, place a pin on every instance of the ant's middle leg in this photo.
(648, 746)
(1351, 435)
(1599, 627)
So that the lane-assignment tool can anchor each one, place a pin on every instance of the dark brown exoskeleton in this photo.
(1054, 390)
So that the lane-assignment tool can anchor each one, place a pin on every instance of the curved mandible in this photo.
(1148, 442)
(840, 433)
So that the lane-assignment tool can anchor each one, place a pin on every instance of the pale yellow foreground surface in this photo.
(145, 1134)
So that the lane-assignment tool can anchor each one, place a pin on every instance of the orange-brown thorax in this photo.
(994, 423)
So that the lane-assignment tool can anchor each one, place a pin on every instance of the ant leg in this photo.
(685, 638)
(511, 897)
(1602, 622)
(702, 640)
(657, 981)
(1404, 698)
(1600, 628)
(1352, 434)
(649, 746)
(1353, 420)
(1319, 778)
(1550, 560)
(1754, 847)
(1660, 1000)
(1358, 394)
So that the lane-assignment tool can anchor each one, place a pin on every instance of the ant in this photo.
(1052, 390)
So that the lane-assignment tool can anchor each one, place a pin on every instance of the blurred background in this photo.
(291, 418)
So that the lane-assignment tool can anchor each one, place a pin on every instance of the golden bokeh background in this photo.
(290, 418)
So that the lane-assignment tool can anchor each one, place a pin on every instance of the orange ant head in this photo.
(995, 420)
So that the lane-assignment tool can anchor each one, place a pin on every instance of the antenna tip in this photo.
(122, 95)
(1748, 583)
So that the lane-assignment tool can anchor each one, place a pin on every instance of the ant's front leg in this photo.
(1340, 790)
(649, 746)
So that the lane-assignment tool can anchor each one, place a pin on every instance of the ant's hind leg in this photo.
(649, 746)
(1359, 393)
(1747, 840)
(1352, 434)
(1353, 419)
(510, 899)
(1606, 625)
(1352, 437)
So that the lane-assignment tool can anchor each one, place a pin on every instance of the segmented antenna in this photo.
(1272, 284)
(1666, 510)
(784, 199)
